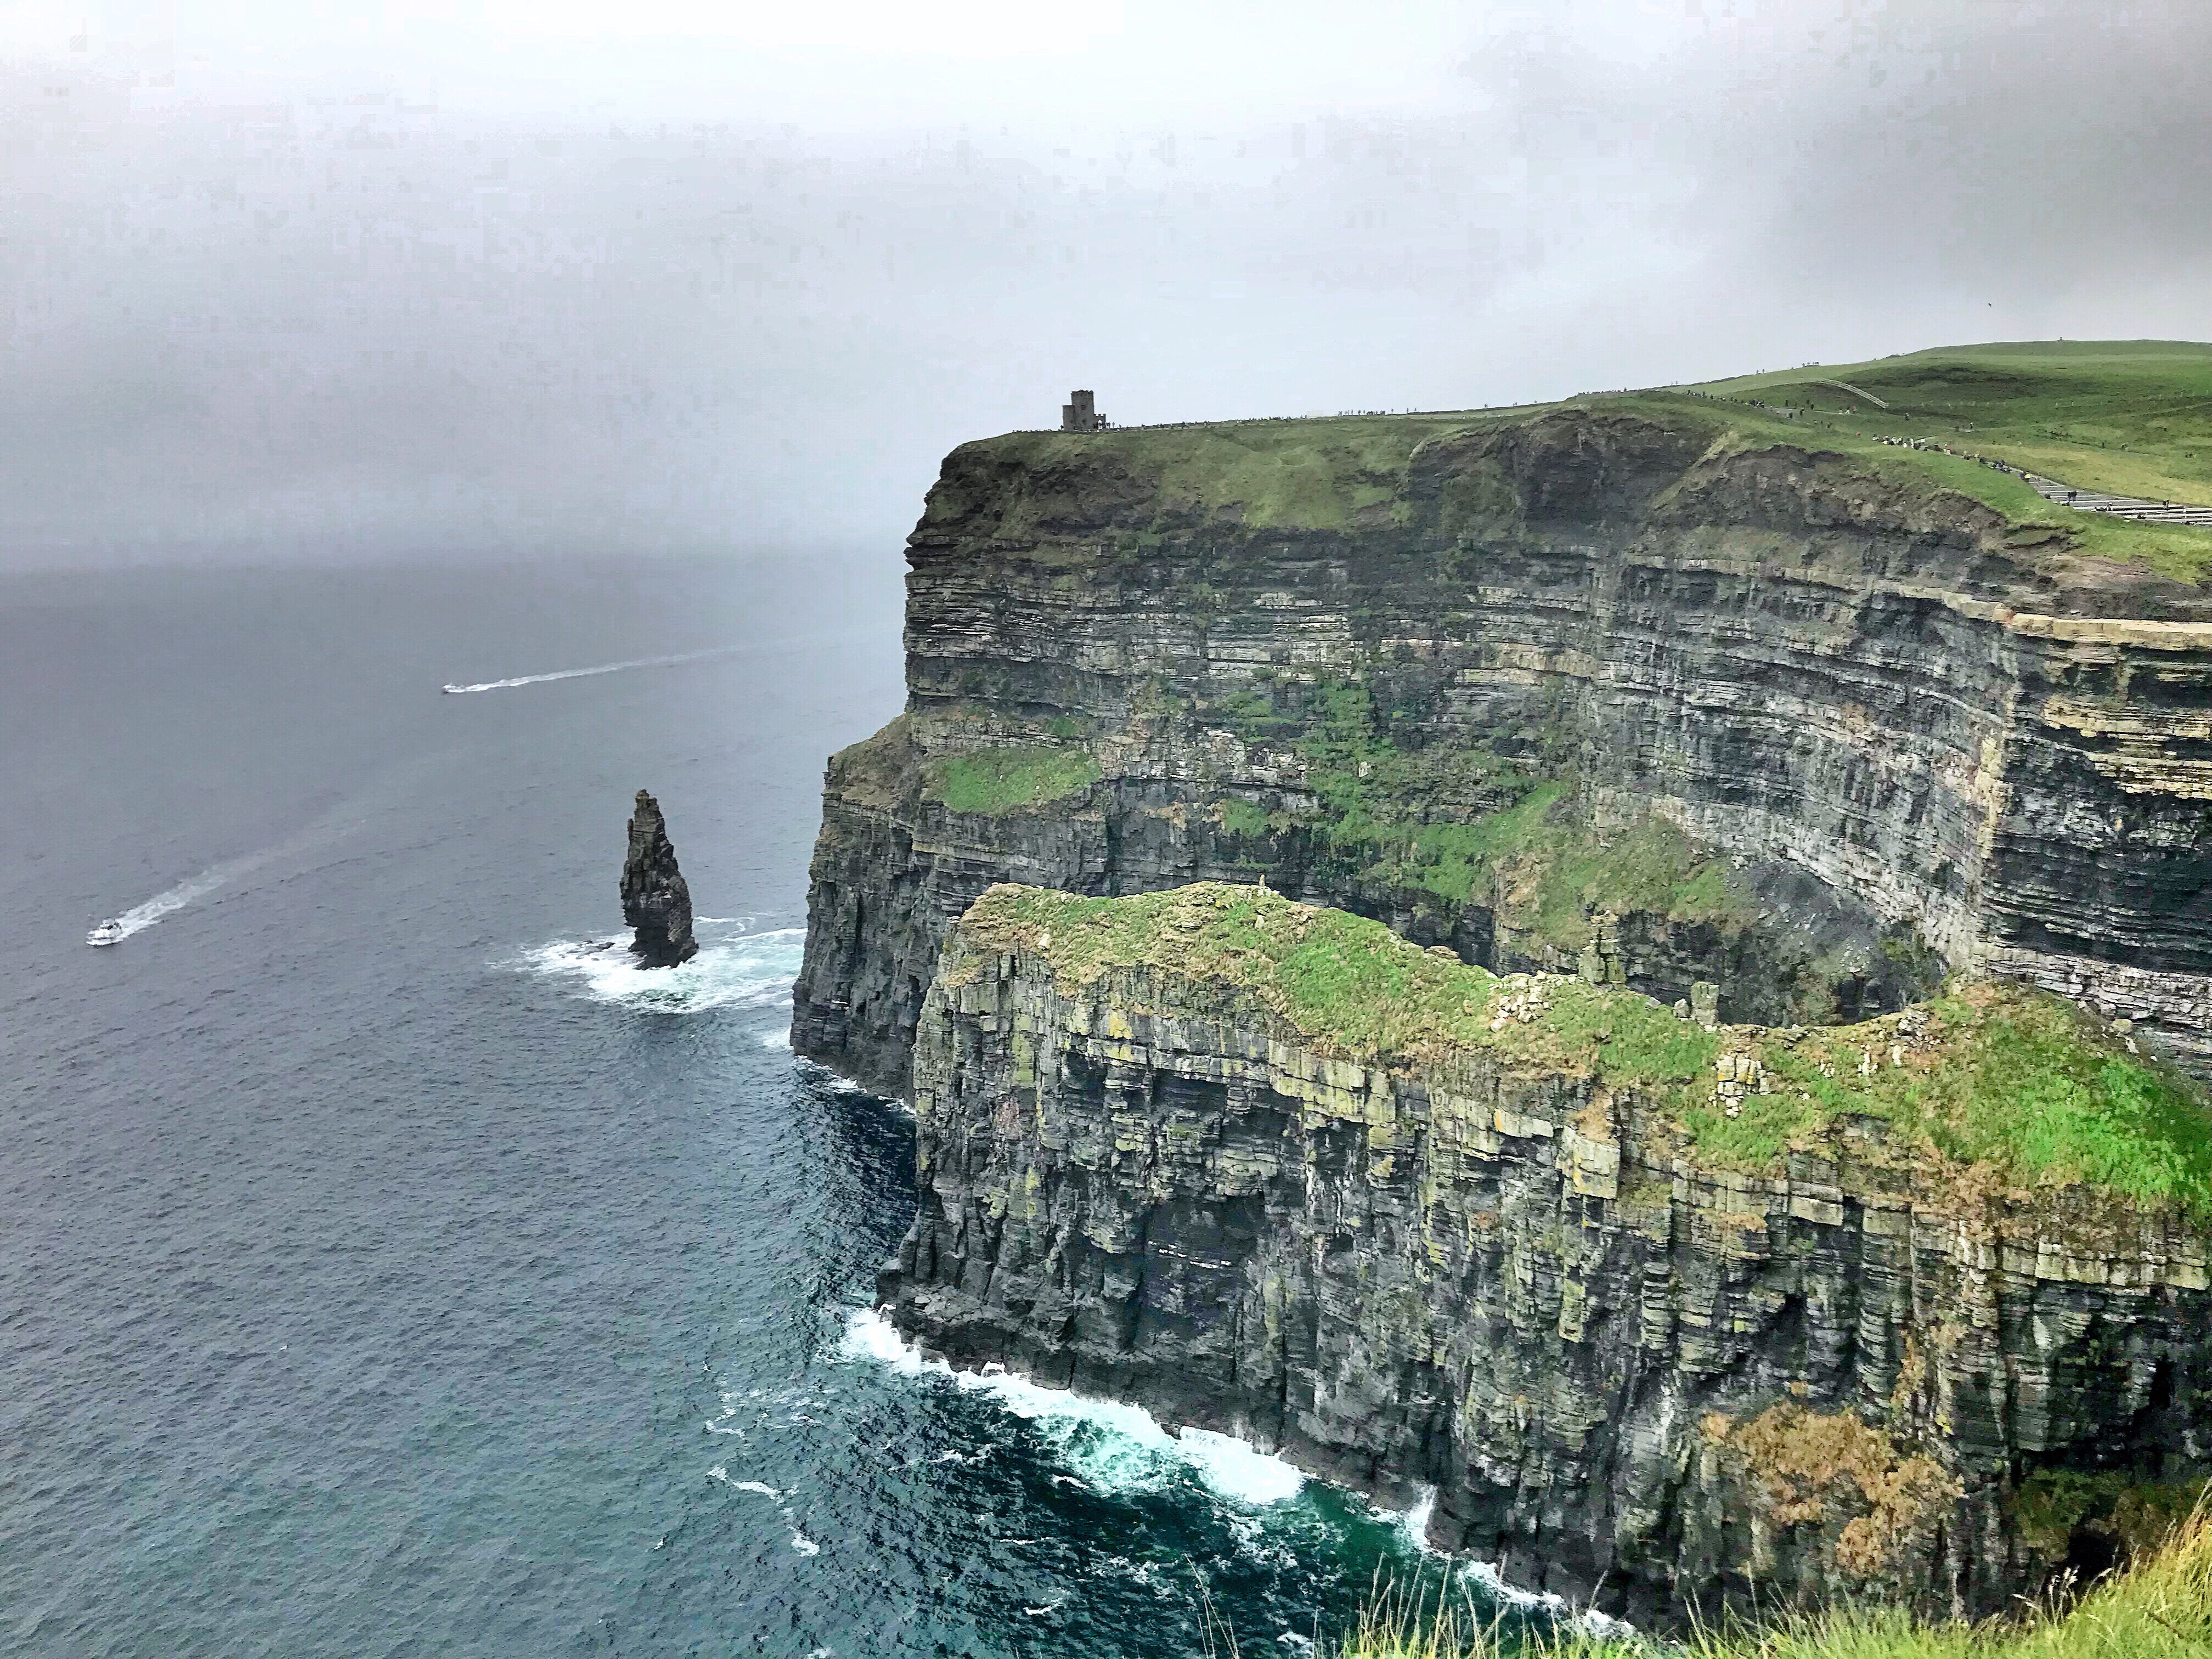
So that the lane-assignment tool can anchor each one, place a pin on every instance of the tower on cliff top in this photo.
(1080, 414)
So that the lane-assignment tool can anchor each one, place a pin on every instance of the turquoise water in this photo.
(389, 1270)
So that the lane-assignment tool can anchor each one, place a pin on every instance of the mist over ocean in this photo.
(387, 1271)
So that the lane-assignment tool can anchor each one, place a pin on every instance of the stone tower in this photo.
(1080, 413)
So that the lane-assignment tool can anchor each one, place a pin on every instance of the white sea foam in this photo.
(1604, 1626)
(1414, 1523)
(822, 1076)
(1115, 1448)
(1232, 1467)
(720, 1472)
(601, 668)
(799, 1540)
(1108, 1446)
(734, 968)
(1415, 1520)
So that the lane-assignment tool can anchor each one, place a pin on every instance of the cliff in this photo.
(1672, 1318)
(1650, 687)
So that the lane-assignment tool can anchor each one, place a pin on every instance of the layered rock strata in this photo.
(656, 902)
(1495, 1254)
(1384, 671)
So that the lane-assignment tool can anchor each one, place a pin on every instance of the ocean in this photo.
(392, 1269)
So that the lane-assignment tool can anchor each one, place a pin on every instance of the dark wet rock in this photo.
(655, 900)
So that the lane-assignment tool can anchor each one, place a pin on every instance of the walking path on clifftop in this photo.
(2084, 500)
(2125, 506)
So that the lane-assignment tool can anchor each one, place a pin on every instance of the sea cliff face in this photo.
(1596, 691)
(1673, 1319)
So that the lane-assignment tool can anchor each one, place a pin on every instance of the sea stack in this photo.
(654, 899)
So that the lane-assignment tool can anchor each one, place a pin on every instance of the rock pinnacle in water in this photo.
(654, 899)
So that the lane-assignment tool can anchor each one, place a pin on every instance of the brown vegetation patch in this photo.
(1810, 1463)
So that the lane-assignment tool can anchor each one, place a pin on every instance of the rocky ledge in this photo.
(1674, 1317)
(656, 901)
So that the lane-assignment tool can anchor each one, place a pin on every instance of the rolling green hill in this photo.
(2131, 416)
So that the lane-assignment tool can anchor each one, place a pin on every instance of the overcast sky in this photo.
(289, 279)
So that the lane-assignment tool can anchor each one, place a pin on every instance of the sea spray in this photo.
(1108, 1446)
(1134, 1452)
(734, 968)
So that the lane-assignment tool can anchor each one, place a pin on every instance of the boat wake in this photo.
(735, 968)
(602, 668)
(140, 917)
(171, 900)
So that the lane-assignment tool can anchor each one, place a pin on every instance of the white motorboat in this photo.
(108, 932)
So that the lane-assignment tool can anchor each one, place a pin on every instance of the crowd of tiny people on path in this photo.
(2049, 489)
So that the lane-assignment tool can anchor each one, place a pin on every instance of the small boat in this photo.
(108, 932)
(452, 690)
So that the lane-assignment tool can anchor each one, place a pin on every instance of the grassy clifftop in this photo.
(2130, 416)
(1994, 1078)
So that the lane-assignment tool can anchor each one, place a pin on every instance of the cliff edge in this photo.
(1674, 1320)
(1657, 686)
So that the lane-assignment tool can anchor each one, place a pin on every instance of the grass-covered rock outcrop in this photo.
(2000, 1080)
(993, 781)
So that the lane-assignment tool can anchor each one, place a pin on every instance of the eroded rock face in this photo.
(655, 900)
(1915, 741)
(1632, 1379)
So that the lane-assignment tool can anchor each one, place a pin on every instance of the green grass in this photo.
(2050, 1503)
(1459, 822)
(2000, 1078)
(1848, 445)
(2158, 1609)
(1321, 474)
(996, 781)
(1242, 817)
(2022, 1083)
(2130, 416)
(1651, 867)
(1378, 795)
